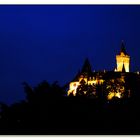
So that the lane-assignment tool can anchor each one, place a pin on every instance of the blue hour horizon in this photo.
(51, 42)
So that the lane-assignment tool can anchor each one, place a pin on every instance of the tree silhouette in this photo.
(91, 91)
(82, 88)
(47, 108)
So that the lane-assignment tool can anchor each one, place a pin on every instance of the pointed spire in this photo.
(76, 78)
(86, 67)
(123, 68)
(123, 50)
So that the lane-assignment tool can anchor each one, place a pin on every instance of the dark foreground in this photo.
(71, 116)
(51, 112)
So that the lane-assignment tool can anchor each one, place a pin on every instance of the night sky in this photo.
(51, 42)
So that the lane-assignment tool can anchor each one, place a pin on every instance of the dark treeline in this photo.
(48, 110)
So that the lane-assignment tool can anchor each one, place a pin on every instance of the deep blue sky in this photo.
(51, 42)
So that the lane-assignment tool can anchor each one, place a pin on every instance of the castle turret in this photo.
(123, 59)
(86, 67)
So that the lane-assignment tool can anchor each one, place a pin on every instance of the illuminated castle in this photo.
(86, 81)
(122, 59)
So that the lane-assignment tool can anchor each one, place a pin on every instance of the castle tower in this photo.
(86, 67)
(123, 69)
(123, 59)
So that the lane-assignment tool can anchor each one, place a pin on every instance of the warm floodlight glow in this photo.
(114, 86)
(74, 85)
(118, 95)
(122, 59)
(91, 82)
(110, 95)
(73, 88)
(114, 94)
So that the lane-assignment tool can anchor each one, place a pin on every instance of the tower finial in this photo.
(123, 50)
(123, 59)
(86, 67)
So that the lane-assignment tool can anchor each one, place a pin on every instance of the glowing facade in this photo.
(123, 59)
(86, 81)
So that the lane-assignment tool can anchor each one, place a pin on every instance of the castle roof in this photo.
(85, 71)
(111, 75)
(76, 78)
(86, 67)
(123, 50)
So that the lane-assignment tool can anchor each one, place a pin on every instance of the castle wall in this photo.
(74, 85)
(122, 59)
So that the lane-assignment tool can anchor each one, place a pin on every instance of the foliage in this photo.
(47, 110)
